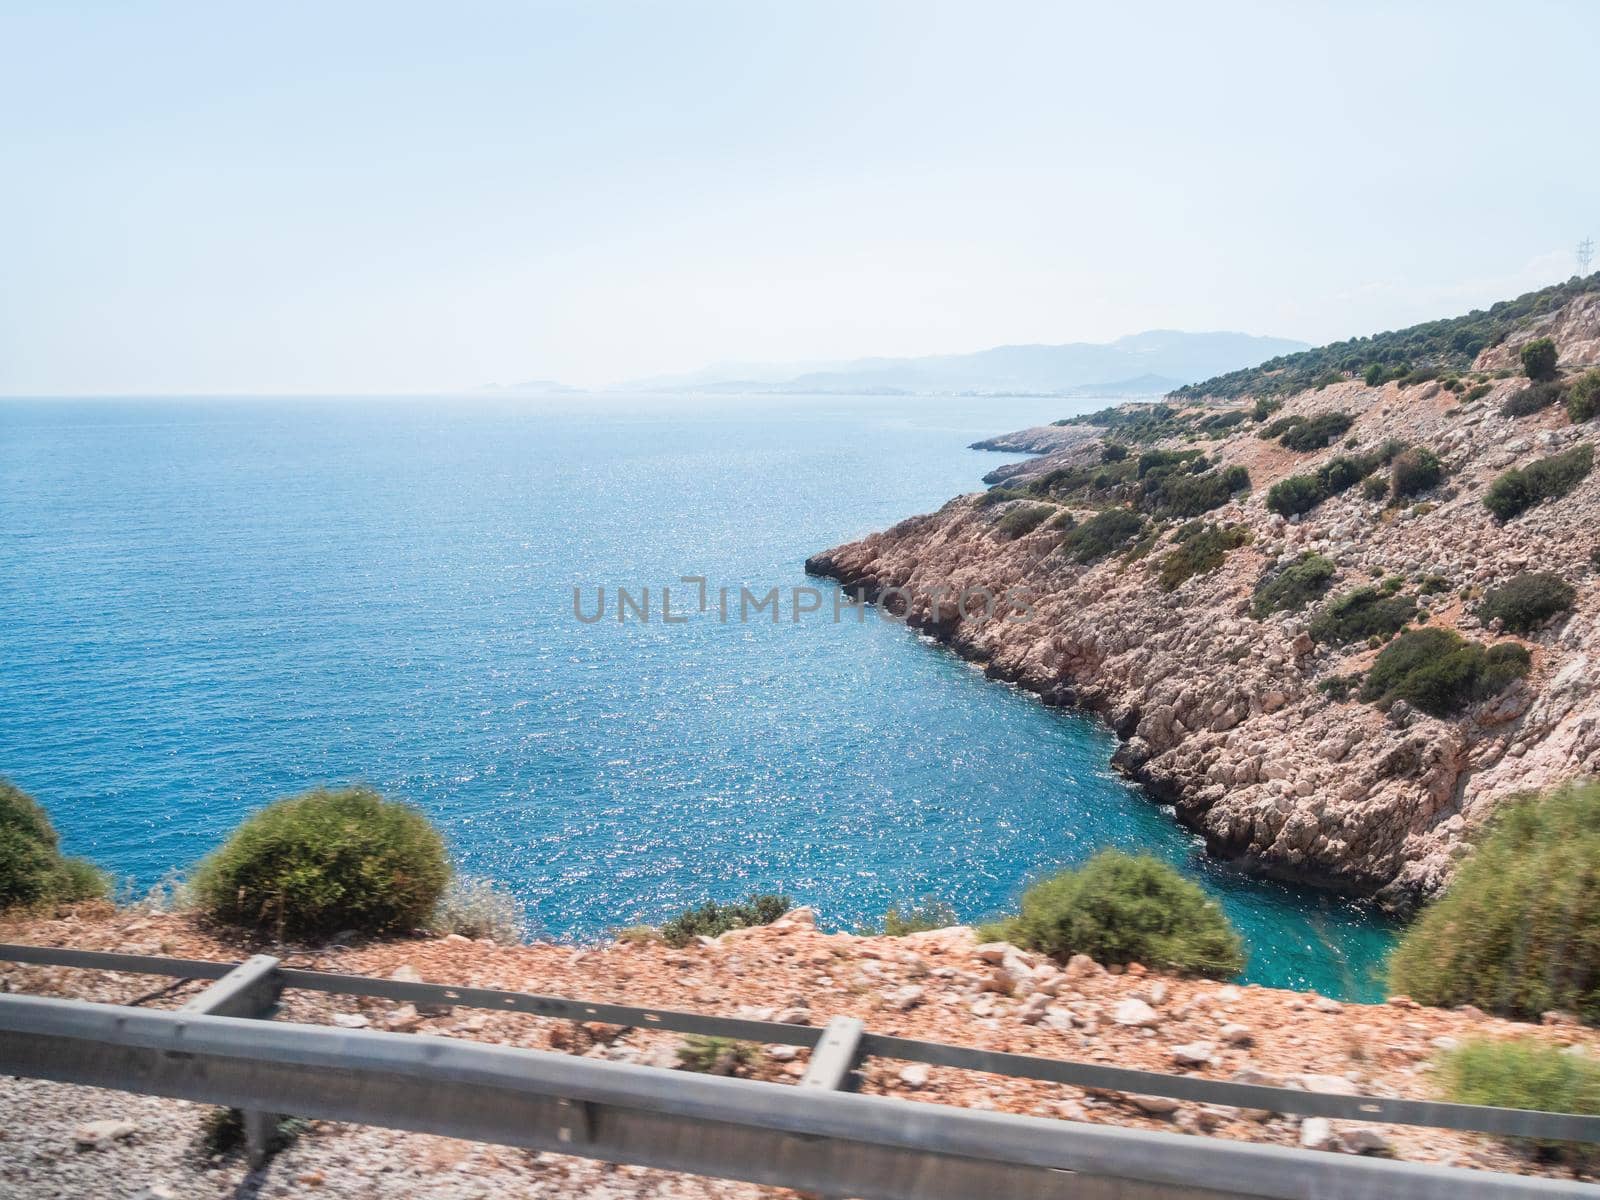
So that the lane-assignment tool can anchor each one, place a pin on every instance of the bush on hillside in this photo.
(1524, 1073)
(712, 919)
(1201, 549)
(919, 916)
(1279, 427)
(1539, 359)
(1525, 602)
(1121, 908)
(1101, 534)
(1291, 588)
(1111, 452)
(32, 868)
(1519, 489)
(1583, 398)
(1416, 471)
(1191, 495)
(1317, 432)
(1364, 613)
(1295, 494)
(314, 865)
(1517, 932)
(1024, 519)
(1440, 672)
(1536, 397)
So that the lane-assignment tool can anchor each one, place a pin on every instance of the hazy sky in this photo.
(406, 197)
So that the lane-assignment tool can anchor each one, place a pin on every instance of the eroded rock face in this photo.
(1220, 713)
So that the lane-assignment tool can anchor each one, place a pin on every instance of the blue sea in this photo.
(205, 605)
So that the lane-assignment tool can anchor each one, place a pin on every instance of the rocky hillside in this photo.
(1229, 632)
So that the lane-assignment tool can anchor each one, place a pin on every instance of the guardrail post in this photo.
(834, 1059)
(249, 990)
(835, 1055)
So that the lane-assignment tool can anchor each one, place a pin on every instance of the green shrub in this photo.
(1539, 359)
(1024, 519)
(1527, 601)
(712, 919)
(1291, 588)
(1317, 432)
(1188, 494)
(32, 869)
(1220, 423)
(717, 1055)
(1416, 471)
(1121, 908)
(1375, 487)
(917, 917)
(1339, 688)
(1295, 494)
(1111, 452)
(1201, 549)
(1519, 489)
(1524, 1073)
(1583, 399)
(1101, 534)
(1477, 392)
(1440, 672)
(1517, 932)
(324, 862)
(1279, 427)
(1363, 613)
(1264, 408)
(1536, 397)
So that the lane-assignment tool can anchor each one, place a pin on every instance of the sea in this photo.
(209, 603)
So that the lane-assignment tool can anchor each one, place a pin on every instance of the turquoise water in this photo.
(208, 605)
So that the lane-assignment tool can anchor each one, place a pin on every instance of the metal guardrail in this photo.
(814, 1137)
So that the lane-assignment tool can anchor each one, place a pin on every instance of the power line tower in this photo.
(1585, 255)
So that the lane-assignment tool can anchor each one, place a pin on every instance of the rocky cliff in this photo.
(1248, 724)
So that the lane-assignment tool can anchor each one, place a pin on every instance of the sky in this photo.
(397, 197)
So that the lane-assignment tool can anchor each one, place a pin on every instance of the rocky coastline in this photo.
(1236, 719)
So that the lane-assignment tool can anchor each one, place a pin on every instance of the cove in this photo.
(211, 604)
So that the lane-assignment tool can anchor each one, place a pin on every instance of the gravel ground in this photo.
(164, 1157)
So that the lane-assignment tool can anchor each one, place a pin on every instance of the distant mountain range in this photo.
(1149, 363)
(1141, 364)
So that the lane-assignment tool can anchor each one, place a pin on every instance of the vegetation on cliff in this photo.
(1521, 488)
(1414, 471)
(325, 862)
(1101, 534)
(1527, 601)
(1523, 1073)
(1449, 344)
(1202, 548)
(1539, 359)
(1583, 398)
(1122, 908)
(1441, 672)
(1364, 613)
(32, 868)
(712, 919)
(1518, 930)
(1291, 588)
